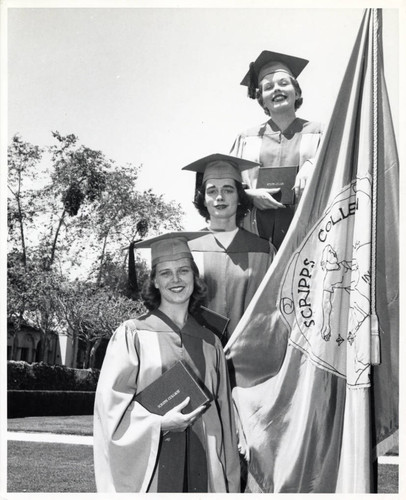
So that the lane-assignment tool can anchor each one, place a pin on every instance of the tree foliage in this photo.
(69, 236)
(90, 205)
(23, 158)
(32, 293)
(93, 313)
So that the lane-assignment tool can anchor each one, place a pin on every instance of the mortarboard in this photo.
(269, 62)
(220, 166)
(169, 246)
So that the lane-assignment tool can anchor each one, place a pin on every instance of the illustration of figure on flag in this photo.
(344, 275)
(337, 274)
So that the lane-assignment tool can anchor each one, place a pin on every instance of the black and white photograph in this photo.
(200, 247)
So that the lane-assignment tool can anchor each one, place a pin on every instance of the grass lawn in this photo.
(65, 468)
(388, 478)
(47, 467)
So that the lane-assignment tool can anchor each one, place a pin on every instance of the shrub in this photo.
(49, 403)
(40, 376)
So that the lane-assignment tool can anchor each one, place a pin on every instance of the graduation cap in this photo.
(220, 166)
(270, 62)
(169, 246)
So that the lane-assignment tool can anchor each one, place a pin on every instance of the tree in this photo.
(23, 157)
(90, 206)
(17, 289)
(92, 314)
(79, 175)
(51, 304)
(121, 215)
(77, 225)
(32, 298)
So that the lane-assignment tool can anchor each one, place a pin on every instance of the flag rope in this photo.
(375, 351)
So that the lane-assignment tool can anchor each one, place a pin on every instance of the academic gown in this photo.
(232, 274)
(270, 147)
(128, 442)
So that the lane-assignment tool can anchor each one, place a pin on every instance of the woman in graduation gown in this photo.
(285, 140)
(139, 451)
(231, 260)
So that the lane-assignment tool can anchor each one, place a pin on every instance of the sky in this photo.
(160, 87)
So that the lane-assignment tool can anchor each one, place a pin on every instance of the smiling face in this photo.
(278, 92)
(221, 199)
(175, 281)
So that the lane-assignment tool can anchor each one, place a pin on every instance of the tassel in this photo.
(253, 82)
(375, 341)
(199, 181)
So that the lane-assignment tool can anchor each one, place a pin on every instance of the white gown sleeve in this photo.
(126, 436)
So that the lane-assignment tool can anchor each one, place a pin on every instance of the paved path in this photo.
(46, 437)
(389, 460)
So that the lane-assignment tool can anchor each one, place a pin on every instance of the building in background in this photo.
(25, 345)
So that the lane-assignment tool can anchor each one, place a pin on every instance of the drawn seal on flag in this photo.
(324, 295)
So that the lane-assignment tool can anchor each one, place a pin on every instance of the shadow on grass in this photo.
(81, 425)
(47, 467)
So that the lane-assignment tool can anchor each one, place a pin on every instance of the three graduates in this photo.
(196, 451)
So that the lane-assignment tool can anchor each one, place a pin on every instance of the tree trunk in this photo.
(87, 356)
(52, 256)
(92, 359)
(20, 217)
(17, 196)
(99, 276)
(43, 346)
(75, 343)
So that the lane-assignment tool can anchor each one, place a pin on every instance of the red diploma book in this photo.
(279, 177)
(171, 388)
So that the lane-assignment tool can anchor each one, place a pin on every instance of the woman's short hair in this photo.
(152, 296)
(244, 202)
(298, 101)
